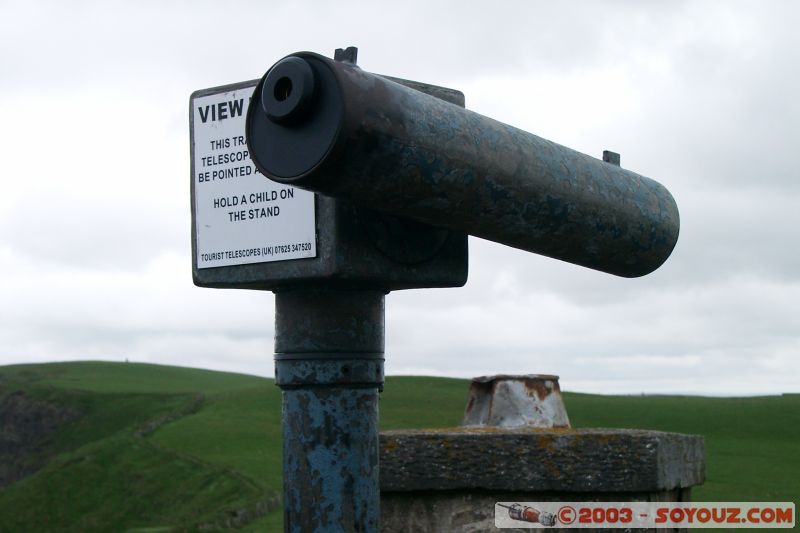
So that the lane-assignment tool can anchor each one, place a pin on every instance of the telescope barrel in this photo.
(329, 127)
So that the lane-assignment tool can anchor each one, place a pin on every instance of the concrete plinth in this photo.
(449, 479)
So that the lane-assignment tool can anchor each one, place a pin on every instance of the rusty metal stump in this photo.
(447, 480)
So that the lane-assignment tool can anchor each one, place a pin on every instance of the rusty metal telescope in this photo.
(329, 127)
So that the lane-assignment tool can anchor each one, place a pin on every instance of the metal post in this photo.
(329, 364)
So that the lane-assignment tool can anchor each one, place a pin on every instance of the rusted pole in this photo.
(329, 352)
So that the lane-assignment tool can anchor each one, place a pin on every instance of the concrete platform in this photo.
(449, 479)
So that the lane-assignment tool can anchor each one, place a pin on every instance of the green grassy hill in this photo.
(134, 447)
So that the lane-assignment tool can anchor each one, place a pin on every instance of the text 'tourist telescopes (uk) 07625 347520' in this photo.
(332, 128)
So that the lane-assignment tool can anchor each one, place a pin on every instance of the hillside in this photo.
(85, 446)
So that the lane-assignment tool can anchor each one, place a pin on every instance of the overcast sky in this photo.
(95, 257)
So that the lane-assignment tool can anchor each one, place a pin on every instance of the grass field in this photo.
(161, 448)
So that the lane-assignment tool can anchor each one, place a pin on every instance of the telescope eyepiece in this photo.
(288, 91)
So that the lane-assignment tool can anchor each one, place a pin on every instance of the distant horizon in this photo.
(410, 375)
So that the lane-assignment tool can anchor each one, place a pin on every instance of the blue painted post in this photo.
(329, 364)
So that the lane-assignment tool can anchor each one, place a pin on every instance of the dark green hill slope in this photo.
(118, 446)
(102, 469)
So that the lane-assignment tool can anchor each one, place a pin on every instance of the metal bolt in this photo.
(346, 55)
(611, 157)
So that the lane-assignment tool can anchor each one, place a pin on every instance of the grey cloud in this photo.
(94, 247)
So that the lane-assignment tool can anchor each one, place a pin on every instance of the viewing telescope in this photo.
(329, 127)
(401, 175)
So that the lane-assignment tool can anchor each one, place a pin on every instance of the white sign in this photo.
(241, 216)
